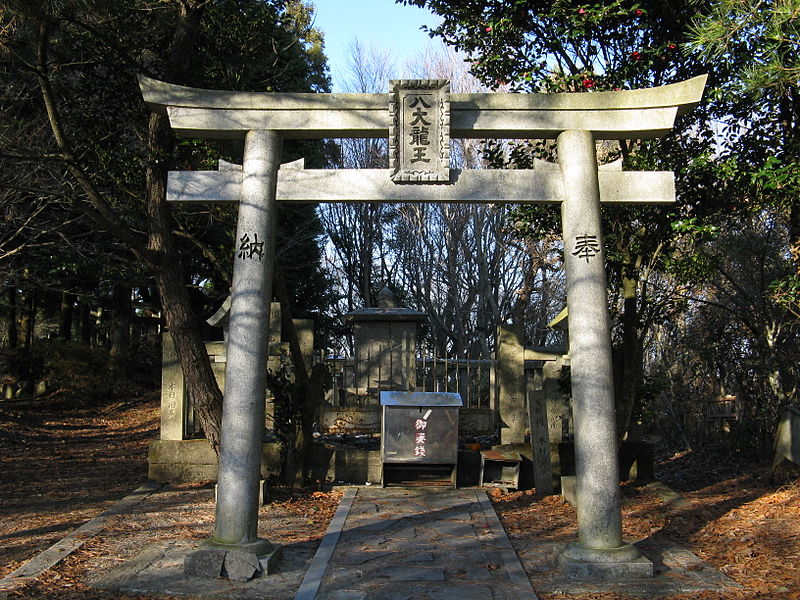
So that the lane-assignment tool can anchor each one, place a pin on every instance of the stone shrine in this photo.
(385, 340)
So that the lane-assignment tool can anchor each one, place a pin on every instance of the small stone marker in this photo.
(540, 436)
(173, 392)
(511, 367)
(787, 438)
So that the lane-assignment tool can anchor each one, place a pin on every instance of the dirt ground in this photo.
(62, 465)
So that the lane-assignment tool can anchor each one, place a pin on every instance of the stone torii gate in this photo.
(420, 116)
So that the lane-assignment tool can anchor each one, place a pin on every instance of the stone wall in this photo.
(177, 456)
(182, 461)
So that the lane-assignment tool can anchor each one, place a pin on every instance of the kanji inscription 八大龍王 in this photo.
(419, 136)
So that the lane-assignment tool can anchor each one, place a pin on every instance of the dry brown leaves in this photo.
(746, 526)
(750, 531)
(179, 512)
(61, 466)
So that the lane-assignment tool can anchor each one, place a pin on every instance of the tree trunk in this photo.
(775, 375)
(629, 373)
(159, 252)
(27, 318)
(85, 321)
(11, 326)
(794, 236)
(120, 327)
(27, 322)
(66, 312)
(201, 385)
(296, 442)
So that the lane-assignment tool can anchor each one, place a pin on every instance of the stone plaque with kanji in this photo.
(419, 134)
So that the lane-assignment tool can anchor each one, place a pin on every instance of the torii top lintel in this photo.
(628, 114)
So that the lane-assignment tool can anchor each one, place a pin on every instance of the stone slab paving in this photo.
(411, 544)
(677, 571)
(417, 544)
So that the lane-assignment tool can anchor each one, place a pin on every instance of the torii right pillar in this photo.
(600, 552)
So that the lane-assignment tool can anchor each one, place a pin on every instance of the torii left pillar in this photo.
(235, 549)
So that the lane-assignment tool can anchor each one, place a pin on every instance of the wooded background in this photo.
(704, 294)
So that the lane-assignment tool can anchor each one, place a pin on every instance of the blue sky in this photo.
(381, 23)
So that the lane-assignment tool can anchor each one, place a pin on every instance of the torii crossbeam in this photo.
(419, 116)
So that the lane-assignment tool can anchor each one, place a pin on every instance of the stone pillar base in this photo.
(237, 562)
(611, 564)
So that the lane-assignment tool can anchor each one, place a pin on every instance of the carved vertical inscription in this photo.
(419, 135)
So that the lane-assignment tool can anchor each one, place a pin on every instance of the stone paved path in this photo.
(415, 544)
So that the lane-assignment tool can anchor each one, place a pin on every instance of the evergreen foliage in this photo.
(675, 271)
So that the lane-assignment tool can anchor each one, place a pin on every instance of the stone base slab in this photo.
(237, 562)
(187, 461)
(158, 571)
(614, 564)
(269, 563)
(676, 571)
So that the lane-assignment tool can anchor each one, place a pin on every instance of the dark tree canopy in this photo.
(79, 131)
